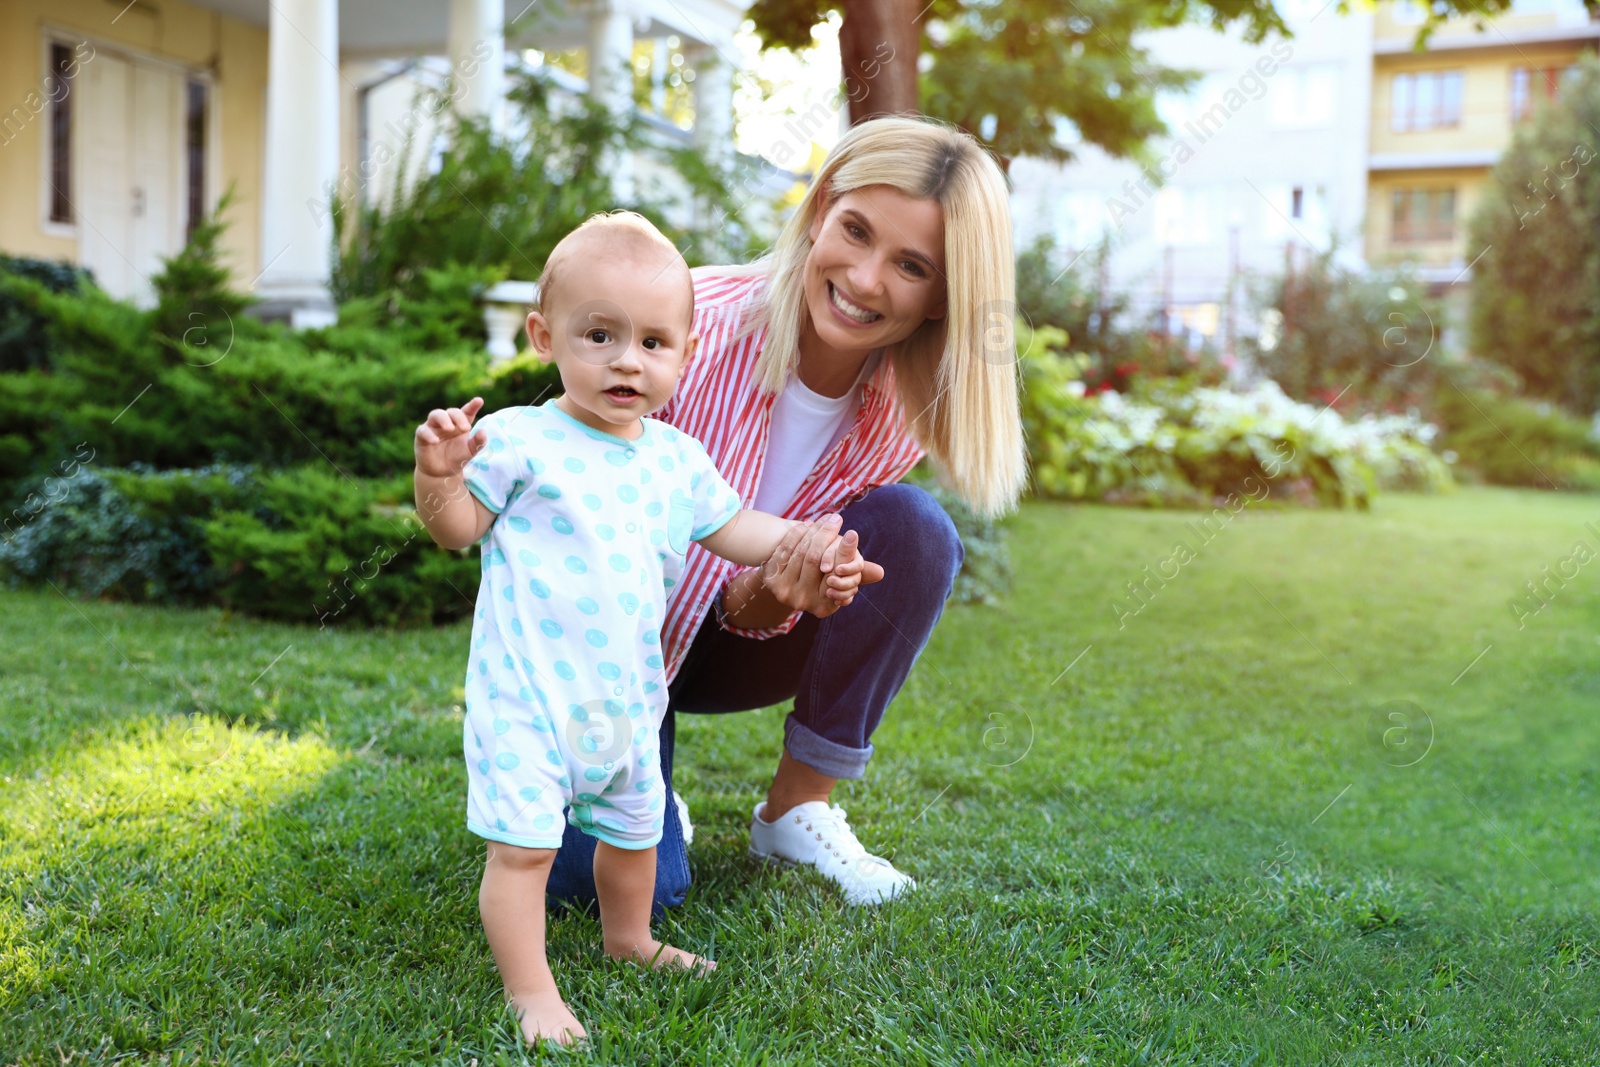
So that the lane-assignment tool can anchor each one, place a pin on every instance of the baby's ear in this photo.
(690, 346)
(539, 336)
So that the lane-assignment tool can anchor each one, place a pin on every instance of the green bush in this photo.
(192, 454)
(133, 534)
(313, 546)
(24, 336)
(1511, 440)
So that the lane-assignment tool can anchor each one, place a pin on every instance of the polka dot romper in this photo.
(565, 684)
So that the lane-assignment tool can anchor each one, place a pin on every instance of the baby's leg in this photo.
(624, 882)
(511, 902)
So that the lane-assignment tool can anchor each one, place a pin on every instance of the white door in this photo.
(130, 143)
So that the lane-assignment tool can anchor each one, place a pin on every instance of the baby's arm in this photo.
(753, 537)
(445, 444)
(749, 538)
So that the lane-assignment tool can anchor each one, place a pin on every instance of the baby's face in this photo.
(619, 334)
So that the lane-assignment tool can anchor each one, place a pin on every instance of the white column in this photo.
(611, 78)
(477, 47)
(302, 161)
(713, 102)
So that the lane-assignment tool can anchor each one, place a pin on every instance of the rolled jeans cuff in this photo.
(821, 755)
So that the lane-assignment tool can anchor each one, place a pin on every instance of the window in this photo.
(1529, 84)
(1424, 214)
(194, 154)
(62, 66)
(1426, 100)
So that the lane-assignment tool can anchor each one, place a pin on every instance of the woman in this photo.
(876, 329)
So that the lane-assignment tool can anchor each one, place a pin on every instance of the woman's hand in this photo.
(800, 574)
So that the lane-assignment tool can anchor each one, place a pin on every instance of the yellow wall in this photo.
(235, 54)
(1469, 184)
(1485, 96)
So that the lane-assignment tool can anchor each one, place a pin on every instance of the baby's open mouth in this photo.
(622, 391)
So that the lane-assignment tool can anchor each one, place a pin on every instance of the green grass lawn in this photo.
(1321, 801)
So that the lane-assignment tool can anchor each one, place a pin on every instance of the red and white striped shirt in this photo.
(719, 403)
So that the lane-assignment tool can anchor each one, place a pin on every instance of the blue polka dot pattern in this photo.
(606, 506)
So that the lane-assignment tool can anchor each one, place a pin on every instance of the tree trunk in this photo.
(878, 46)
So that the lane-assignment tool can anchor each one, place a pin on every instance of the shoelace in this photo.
(835, 825)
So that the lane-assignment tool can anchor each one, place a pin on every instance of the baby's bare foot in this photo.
(660, 954)
(545, 1016)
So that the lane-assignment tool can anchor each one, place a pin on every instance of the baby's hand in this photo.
(845, 571)
(446, 442)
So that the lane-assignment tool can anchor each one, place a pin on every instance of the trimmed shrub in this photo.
(24, 336)
(314, 546)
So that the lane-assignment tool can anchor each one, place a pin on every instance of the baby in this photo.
(584, 509)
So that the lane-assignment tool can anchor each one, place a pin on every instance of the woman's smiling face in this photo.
(876, 268)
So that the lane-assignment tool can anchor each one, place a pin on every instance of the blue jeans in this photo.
(842, 671)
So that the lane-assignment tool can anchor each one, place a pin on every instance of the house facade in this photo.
(122, 126)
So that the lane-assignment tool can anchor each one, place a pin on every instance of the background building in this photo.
(1341, 136)
(1441, 118)
(1266, 156)
(121, 126)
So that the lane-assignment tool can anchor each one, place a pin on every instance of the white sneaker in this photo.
(815, 834)
(683, 818)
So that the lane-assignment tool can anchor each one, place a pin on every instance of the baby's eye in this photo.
(598, 337)
(651, 343)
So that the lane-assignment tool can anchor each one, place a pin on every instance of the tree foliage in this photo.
(1536, 292)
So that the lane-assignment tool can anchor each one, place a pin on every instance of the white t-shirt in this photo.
(805, 426)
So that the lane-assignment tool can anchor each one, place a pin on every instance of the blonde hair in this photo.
(615, 232)
(956, 376)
